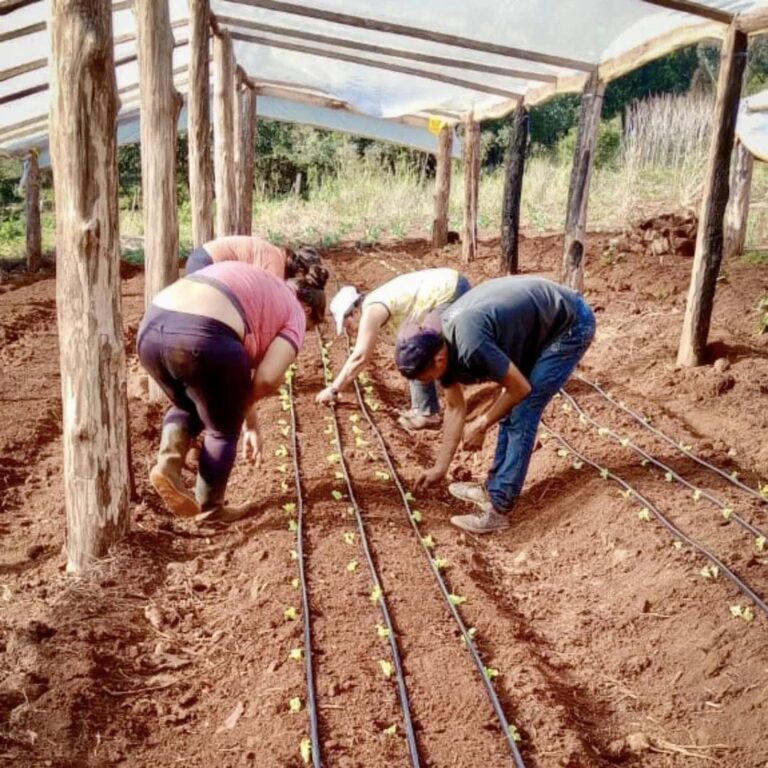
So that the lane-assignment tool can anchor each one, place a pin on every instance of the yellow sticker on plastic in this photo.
(435, 125)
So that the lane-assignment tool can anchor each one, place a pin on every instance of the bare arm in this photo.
(453, 426)
(372, 319)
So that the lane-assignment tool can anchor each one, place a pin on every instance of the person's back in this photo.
(249, 250)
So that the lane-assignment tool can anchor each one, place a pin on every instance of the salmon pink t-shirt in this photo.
(269, 305)
(249, 250)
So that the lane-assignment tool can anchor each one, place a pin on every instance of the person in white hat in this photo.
(406, 298)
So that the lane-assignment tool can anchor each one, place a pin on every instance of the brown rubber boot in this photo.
(165, 476)
(213, 507)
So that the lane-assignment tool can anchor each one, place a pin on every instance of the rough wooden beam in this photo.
(709, 240)
(471, 189)
(442, 186)
(754, 22)
(578, 191)
(401, 53)
(31, 29)
(224, 135)
(245, 139)
(32, 206)
(420, 34)
(513, 189)
(90, 324)
(160, 106)
(737, 212)
(402, 69)
(9, 6)
(199, 124)
(695, 9)
(22, 69)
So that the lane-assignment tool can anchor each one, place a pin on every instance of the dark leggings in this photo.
(198, 259)
(202, 367)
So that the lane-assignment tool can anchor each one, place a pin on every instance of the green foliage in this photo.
(608, 145)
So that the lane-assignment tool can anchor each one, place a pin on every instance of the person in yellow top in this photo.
(406, 298)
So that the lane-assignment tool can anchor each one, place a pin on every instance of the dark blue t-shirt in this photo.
(509, 319)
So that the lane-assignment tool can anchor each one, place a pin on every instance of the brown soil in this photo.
(611, 646)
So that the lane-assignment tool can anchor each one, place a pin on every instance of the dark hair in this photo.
(415, 350)
(299, 263)
(310, 291)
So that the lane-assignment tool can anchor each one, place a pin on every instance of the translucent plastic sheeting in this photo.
(129, 131)
(752, 124)
(508, 49)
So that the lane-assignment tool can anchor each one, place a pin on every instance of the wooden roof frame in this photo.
(695, 9)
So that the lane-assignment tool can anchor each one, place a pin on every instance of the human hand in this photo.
(326, 396)
(429, 478)
(252, 443)
(474, 436)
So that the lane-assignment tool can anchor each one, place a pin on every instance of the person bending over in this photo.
(217, 342)
(407, 298)
(278, 261)
(525, 333)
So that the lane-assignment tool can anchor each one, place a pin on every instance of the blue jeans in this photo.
(424, 399)
(517, 430)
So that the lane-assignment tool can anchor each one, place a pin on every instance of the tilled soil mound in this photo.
(608, 638)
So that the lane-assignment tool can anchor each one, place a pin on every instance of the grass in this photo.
(658, 167)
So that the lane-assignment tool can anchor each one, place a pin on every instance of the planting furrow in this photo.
(436, 565)
(357, 702)
(761, 496)
(649, 508)
(727, 512)
(377, 594)
(314, 737)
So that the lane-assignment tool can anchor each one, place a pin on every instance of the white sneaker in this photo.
(486, 521)
(412, 421)
(474, 493)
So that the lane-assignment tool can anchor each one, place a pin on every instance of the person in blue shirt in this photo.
(525, 333)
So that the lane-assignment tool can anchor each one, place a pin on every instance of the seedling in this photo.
(339, 475)
(644, 514)
(760, 543)
(333, 458)
(289, 508)
(380, 475)
(734, 475)
(490, 672)
(471, 632)
(382, 631)
(428, 541)
(745, 613)
(352, 566)
(605, 474)
(763, 490)
(677, 544)
(391, 731)
(291, 613)
(416, 516)
(293, 526)
(440, 563)
(281, 452)
(295, 583)
(285, 431)
(296, 654)
(356, 430)
(603, 431)
(562, 452)
(710, 572)
(282, 468)
(457, 599)
(409, 496)
(349, 537)
(566, 407)
(354, 418)
(386, 668)
(328, 430)
(295, 705)
(305, 750)
(627, 494)
(669, 477)
(515, 734)
(283, 486)
(727, 513)
(376, 594)
(294, 555)
(697, 495)
(337, 495)
(624, 442)
(577, 464)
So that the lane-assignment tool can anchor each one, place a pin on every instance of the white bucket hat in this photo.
(342, 303)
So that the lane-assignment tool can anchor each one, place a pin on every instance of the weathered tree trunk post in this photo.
(245, 141)
(224, 134)
(32, 204)
(199, 125)
(709, 240)
(160, 106)
(442, 186)
(471, 189)
(578, 191)
(513, 189)
(83, 141)
(737, 212)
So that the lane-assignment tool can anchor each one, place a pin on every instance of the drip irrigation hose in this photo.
(382, 603)
(314, 731)
(702, 462)
(470, 643)
(668, 524)
(649, 458)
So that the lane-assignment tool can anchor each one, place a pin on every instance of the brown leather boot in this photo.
(165, 476)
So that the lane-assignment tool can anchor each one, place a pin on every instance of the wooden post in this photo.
(513, 189)
(83, 141)
(578, 191)
(471, 189)
(199, 125)
(245, 140)
(709, 240)
(224, 134)
(737, 212)
(442, 186)
(32, 202)
(160, 106)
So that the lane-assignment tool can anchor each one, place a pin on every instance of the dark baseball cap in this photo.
(417, 344)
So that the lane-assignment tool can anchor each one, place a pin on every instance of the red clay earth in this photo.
(610, 644)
